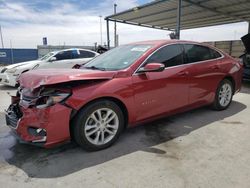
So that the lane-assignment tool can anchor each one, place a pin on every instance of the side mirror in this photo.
(152, 67)
(76, 66)
(52, 59)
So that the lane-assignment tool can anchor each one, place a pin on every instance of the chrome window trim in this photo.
(221, 57)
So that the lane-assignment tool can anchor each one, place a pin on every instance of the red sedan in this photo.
(126, 86)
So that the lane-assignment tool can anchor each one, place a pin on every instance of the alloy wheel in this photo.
(101, 126)
(225, 94)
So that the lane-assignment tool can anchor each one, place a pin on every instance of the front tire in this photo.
(224, 95)
(98, 125)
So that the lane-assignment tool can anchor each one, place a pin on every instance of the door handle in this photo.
(182, 73)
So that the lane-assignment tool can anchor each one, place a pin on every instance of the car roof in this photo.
(164, 42)
(159, 43)
(75, 49)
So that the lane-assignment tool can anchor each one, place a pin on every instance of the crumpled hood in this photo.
(246, 41)
(41, 77)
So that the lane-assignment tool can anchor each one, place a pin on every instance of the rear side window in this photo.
(195, 53)
(86, 54)
(64, 55)
(215, 54)
(171, 55)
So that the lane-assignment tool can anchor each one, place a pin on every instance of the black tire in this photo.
(79, 124)
(216, 104)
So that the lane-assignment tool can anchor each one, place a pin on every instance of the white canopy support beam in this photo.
(227, 14)
(174, 15)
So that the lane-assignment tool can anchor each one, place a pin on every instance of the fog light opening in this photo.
(38, 132)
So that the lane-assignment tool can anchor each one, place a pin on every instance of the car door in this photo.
(156, 93)
(204, 72)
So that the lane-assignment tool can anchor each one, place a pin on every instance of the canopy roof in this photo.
(162, 14)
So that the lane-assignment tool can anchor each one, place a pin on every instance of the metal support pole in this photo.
(1, 36)
(178, 26)
(12, 54)
(115, 35)
(108, 41)
(230, 47)
(248, 26)
(101, 28)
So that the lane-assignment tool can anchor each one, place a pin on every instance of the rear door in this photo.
(204, 72)
(65, 59)
(161, 92)
(85, 56)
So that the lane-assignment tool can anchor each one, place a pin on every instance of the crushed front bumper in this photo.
(42, 127)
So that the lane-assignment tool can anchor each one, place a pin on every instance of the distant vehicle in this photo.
(101, 49)
(246, 57)
(67, 58)
(128, 85)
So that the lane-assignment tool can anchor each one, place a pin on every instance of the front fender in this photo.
(118, 88)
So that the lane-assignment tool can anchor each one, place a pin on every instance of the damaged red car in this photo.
(124, 87)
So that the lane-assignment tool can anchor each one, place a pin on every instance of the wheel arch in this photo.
(231, 79)
(113, 99)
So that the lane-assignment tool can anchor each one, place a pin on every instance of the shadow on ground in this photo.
(67, 159)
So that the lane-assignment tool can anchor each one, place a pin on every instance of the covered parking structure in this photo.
(176, 15)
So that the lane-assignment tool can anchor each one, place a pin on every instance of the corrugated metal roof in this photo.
(162, 14)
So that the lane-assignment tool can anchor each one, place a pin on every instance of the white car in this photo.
(60, 59)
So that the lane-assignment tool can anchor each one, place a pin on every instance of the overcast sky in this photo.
(77, 22)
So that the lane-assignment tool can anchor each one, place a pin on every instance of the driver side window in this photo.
(171, 55)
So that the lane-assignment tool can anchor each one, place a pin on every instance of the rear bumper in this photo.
(42, 127)
(8, 79)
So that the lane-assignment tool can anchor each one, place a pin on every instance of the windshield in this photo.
(118, 58)
(47, 56)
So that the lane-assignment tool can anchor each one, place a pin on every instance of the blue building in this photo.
(10, 56)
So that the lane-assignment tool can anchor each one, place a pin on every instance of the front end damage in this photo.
(40, 117)
(41, 112)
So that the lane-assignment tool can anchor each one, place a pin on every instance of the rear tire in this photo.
(223, 96)
(98, 125)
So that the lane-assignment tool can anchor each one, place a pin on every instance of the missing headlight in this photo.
(51, 97)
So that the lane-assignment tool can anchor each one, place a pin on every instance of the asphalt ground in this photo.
(199, 148)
